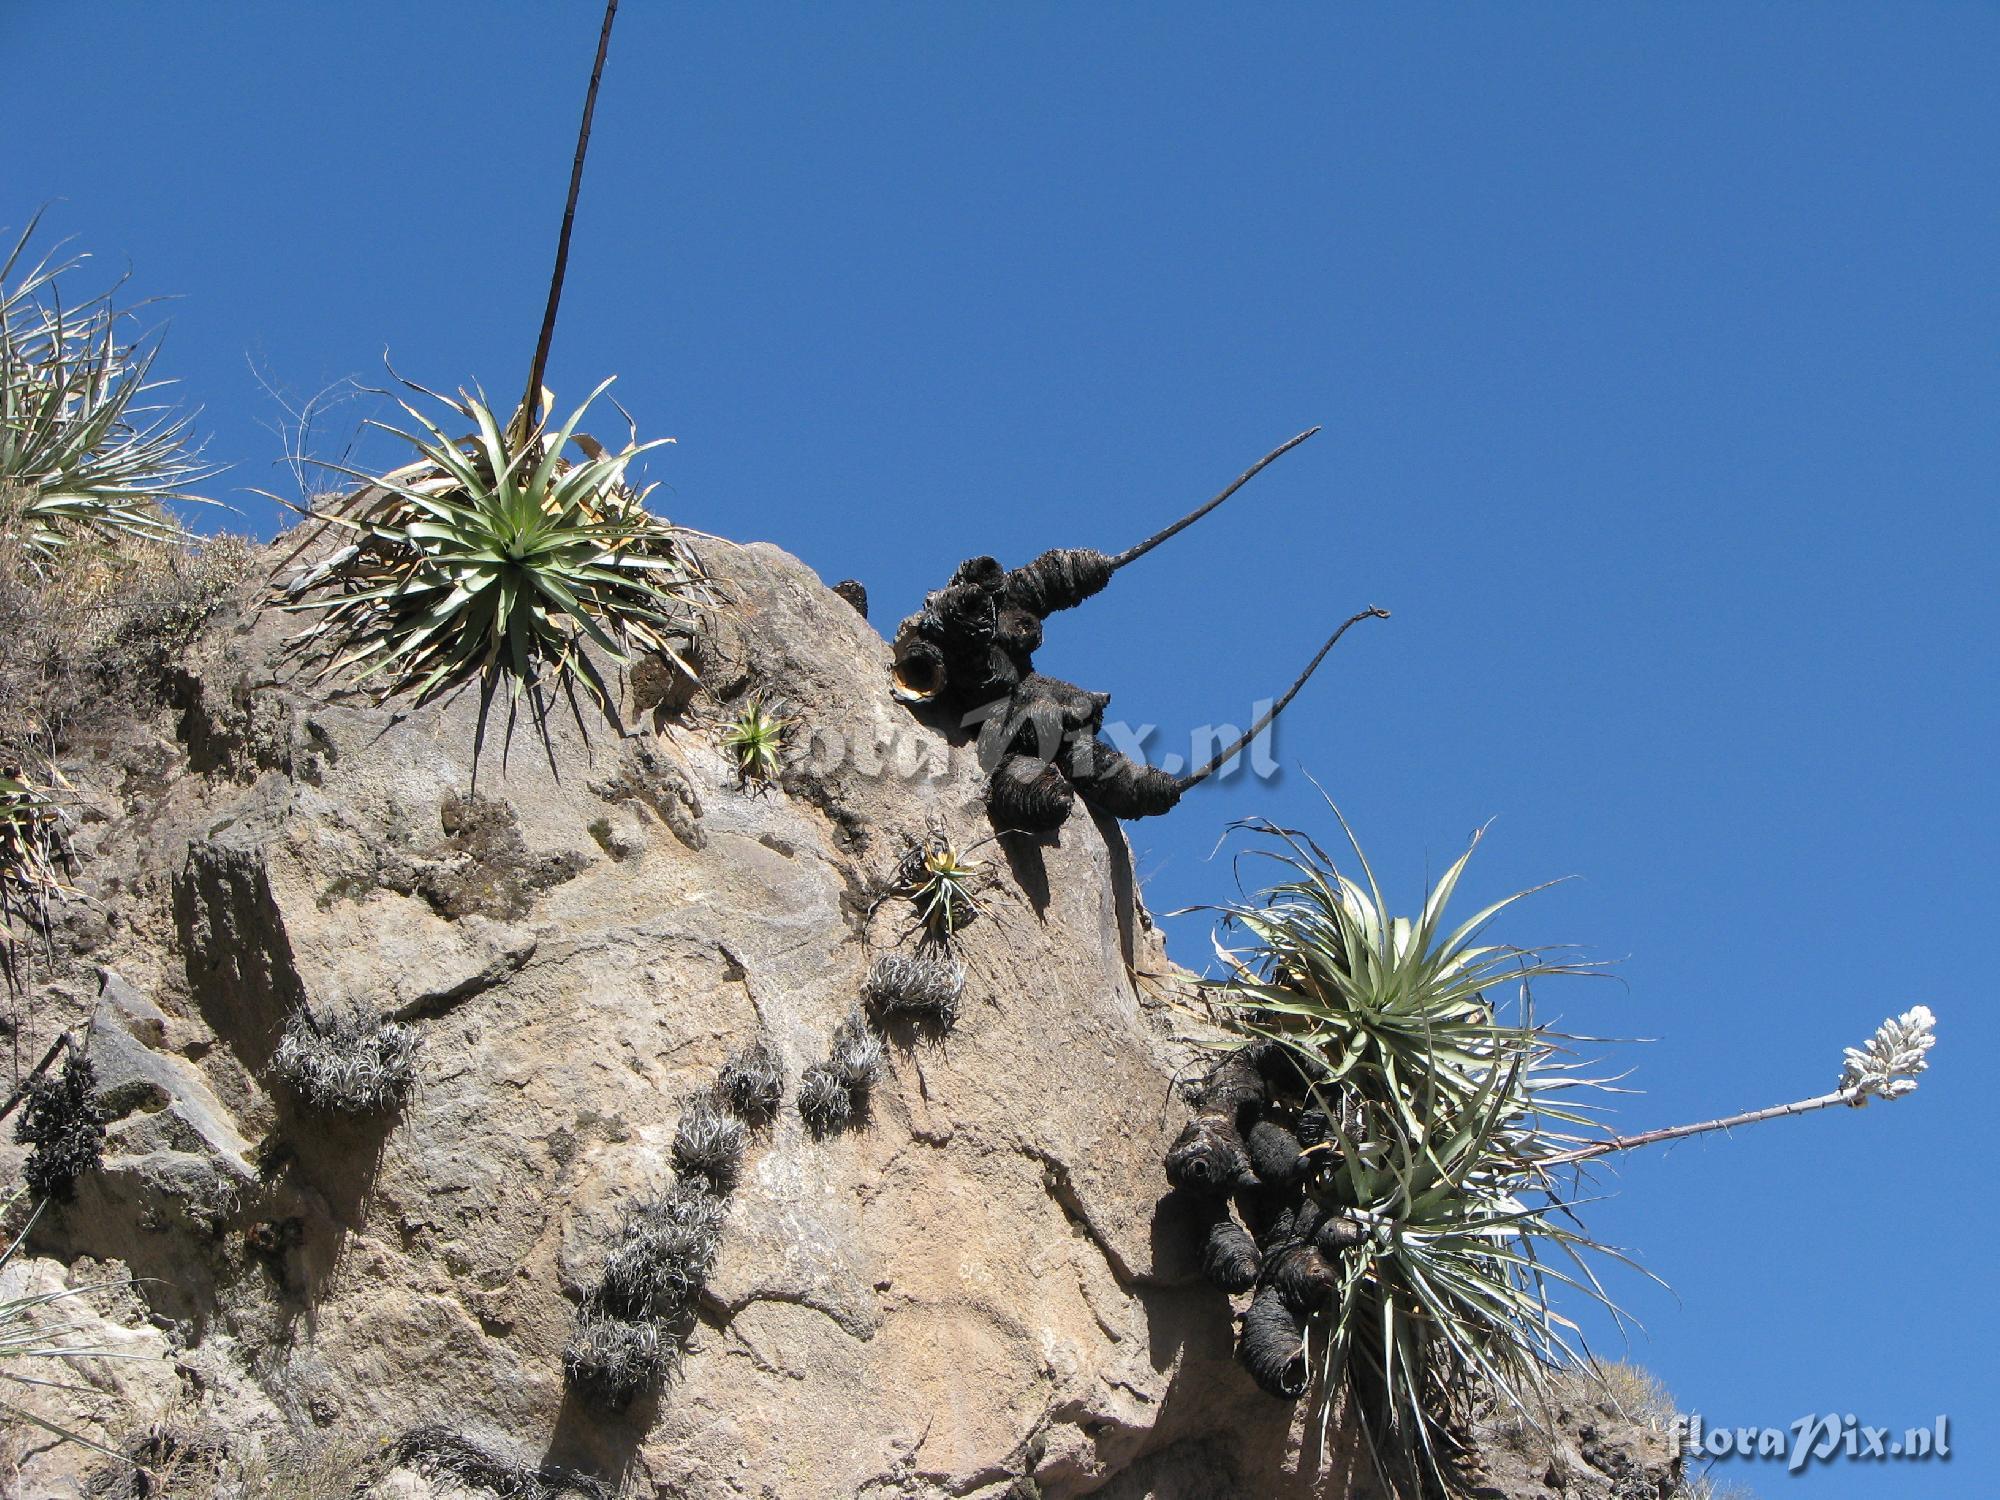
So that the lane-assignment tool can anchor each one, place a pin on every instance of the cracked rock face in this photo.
(975, 1290)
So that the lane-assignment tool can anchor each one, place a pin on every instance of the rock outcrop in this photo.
(978, 1291)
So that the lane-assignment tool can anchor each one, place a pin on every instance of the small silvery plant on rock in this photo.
(925, 986)
(752, 1083)
(708, 1142)
(348, 1064)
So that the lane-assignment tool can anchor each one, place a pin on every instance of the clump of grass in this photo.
(62, 1120)
(708, 1142)
(752, 1082)
(926, 986)
(32, 850)
(826, 1104)
(662, 1254)
(612, 1360)
(83, 457)
(496, 558)
(349, 1064)
(756, 740)
(26, 1340)
(439, 1453)
(98, 630)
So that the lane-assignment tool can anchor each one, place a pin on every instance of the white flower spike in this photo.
(1888, 1065)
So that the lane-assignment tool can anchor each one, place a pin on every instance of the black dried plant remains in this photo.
(62, 1121)
(971, 649)
(437, 1452)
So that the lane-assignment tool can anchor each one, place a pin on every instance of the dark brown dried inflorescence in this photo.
(63, 1121)
(1259, 1116)
(1272, 1347)
(971, 649)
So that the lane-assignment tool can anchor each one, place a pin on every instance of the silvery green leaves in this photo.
(82, 456)
(1886, 1066)
(1437, 1101)
(494, 559)
(347, 1063)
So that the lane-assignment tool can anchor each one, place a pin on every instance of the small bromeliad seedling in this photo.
(494, 557)
(756, 740)
(940, 883)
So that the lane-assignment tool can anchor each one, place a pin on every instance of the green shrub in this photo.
(756, 740)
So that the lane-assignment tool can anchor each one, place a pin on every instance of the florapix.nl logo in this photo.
(1833, 1437)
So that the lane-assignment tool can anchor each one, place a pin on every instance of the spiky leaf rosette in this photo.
(1440, 1111)
(351, 1064)
(756, 742)
(939, 881)
(82, 456)
(492, 559)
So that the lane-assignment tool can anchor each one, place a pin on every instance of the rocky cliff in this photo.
(978, 1290)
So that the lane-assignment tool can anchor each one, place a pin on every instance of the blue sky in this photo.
(1656, 350)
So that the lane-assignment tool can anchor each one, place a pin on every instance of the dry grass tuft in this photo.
(98, 628)
(348, 1064)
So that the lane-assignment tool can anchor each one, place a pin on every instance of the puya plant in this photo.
(494, 555)
(85, 455)
(497, 558)
(1394, 1137)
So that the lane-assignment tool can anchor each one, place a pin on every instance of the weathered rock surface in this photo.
(977, 1292)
